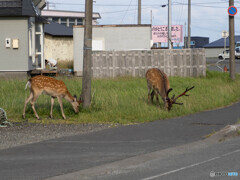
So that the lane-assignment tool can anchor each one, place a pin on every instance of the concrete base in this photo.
(14, 75)
(78, 73)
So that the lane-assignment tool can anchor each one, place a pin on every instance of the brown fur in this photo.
(158, 83)
(52, 87)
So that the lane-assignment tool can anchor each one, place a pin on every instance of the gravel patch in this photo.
(26, 133)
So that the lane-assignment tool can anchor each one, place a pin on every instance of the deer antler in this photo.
(183, 94)
(168, 91)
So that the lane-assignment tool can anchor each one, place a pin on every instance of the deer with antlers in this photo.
(52, 87)
(158, 83)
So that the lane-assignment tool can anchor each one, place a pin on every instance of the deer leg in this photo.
(156, 94)
(152, 95)
(25, 105)
(149, 92)
(61, 106)
(52, 103)
(33, 107)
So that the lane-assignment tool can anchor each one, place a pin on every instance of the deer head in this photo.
(170, 101)
(75, 103)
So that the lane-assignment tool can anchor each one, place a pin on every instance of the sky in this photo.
(208, 18)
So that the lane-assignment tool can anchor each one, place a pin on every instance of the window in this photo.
(71, 22)
(79, 21)
(64, 21)
(55, 20)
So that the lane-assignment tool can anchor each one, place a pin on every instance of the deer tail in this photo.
(28, 85)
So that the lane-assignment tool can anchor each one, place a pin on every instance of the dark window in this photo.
(71, 20)
(63, 20)
(55, 20)
(79, 21)
(71, 24)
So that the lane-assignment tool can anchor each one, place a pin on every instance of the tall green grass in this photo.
(123, 100)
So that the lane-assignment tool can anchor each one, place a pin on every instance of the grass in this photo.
(209, 135)
(238, 122)
(123, 100)
(65, 64)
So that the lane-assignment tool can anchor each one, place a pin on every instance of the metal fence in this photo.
(180, 62)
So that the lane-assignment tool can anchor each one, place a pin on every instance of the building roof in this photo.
(199, 41)
(60, 13)
(40, 19)
(200, 37)
(55, 29)
(19, 8)
(116, 25)
(220, 43)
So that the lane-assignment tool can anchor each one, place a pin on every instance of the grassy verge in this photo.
(123, 100)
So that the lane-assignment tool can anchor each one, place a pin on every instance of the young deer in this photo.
(158, 82)
(52, 87)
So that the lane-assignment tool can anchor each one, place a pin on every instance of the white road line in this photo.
(231, 153)
(190, 166)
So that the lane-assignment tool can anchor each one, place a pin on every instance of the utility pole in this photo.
(87, 58)
(47, 5)
(185, 36)
(139, 11)
(169, 24)
(231, 44)
(151, 17)
(189, 24)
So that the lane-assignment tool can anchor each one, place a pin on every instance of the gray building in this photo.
(197, 41)
(214, 48)
(21, 36)
(69, 18)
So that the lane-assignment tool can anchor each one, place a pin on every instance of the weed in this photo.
(123, 100)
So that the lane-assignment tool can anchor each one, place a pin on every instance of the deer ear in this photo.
(75, 98)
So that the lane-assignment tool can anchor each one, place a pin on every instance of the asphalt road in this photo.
(199, 160)
(211, 64)
(77, 153)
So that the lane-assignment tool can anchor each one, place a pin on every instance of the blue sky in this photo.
(209, 17)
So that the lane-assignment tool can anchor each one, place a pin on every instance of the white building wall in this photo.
(59, 48)
(78, 50)
(213, 52)
(111, 37)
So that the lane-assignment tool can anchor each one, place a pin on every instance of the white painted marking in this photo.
(190, 166)
(231, 153)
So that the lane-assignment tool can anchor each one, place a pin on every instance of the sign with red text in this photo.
(160, 34)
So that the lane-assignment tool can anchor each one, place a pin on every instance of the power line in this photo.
(126, 11)
(112, 12)
(207, 29)
(180, 15)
